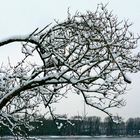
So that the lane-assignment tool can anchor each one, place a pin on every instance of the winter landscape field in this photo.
(69, 70)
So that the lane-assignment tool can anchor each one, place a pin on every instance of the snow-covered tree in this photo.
(89, 54)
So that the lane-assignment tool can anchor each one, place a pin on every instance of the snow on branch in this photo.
(89, 54)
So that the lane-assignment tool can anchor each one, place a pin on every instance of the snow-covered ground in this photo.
(75, 138)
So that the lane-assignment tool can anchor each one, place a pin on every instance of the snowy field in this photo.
(75, 138)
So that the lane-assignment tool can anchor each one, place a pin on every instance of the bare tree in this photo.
(89, 54)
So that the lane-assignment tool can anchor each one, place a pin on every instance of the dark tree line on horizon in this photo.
(77, 125)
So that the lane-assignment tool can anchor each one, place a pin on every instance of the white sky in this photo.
(19, 17)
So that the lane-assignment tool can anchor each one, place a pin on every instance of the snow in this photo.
(72, 124)
(27, 50)
(55, 60)
(59, 125)
(127, 79)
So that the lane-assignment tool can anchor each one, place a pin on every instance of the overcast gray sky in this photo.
(19, 17)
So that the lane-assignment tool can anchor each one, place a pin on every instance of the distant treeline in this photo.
(77, 125)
